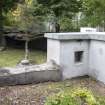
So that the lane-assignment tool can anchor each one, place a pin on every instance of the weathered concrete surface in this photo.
(76, 36)
(62, 50)
(97, 60)
(30, 74)
(70, 68)
(63, 53)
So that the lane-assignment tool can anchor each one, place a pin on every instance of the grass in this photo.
(11, 57)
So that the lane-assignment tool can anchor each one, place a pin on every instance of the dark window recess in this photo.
(78, 56)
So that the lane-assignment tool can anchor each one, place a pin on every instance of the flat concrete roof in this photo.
(76, 35)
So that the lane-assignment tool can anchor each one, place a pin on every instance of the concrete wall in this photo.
(63, 53)
(61, 48)
(25, 74)
(30, 77)
(68, 65)
(53, 50)
(97, 60)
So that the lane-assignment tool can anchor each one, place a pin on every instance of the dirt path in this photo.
(36, 94)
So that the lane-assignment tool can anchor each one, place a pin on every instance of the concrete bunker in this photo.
(78, 54)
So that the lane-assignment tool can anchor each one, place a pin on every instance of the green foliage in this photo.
(76, 97)
(101, 100)
(7, 5)
(61, 99)
(59, 7)
(63, 11)
(67, 25)
(29, 22)
(93, 12)
(85, 95)
(35, 14)
(26, 17)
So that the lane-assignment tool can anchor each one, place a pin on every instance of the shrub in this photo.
(85, 96)
(61, 99)
(76, 97)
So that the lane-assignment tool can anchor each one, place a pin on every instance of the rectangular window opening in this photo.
(78, 56)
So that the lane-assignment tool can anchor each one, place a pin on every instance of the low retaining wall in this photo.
(29, 74)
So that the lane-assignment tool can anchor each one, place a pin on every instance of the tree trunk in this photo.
(2, 38)
(26, 49)
(3, 41)
(57, 27)
(1, 20)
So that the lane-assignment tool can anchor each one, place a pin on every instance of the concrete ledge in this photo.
(76, 35)
(30, 76)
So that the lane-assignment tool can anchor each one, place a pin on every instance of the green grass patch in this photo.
(76, 96)
(11, 57)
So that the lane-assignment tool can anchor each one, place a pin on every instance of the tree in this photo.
(28, 22)
(33, 12)
(60, 8)
(29, 18)
(5, 6)
(93, 13)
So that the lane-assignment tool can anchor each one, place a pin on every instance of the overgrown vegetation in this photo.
(61, 99)
(11, 57)
(79, 96)
(30, 12)
(69, 14)
(93, 13)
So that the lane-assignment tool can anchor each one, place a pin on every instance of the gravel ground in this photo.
(35, 94)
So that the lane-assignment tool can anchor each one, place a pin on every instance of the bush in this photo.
(76, 97)
(85, 96)
(61, 99)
